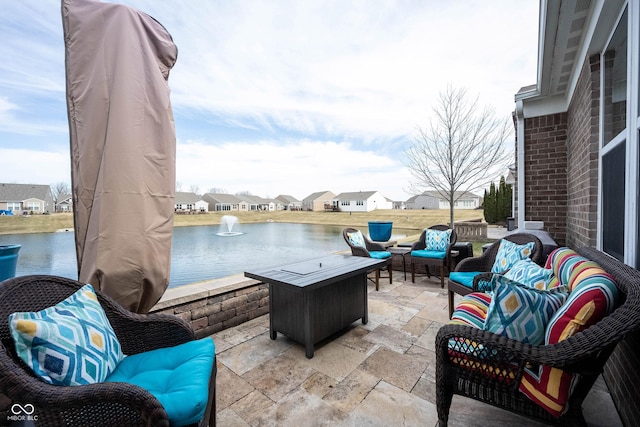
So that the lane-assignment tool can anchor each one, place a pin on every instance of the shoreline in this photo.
(402, 219)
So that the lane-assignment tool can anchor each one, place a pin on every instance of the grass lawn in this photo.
(402, 219)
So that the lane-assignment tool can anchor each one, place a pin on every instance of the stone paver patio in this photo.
(378, 374)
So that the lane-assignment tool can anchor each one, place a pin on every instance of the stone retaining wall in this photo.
(211, 311)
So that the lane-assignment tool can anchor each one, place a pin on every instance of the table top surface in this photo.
(399, 250)
(323, 270)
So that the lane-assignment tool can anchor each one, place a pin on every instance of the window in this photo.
(359, 202)
(613, 154)
(345, 203)
(13, 206)
(615, 83)
(613, 201)
(33, 206)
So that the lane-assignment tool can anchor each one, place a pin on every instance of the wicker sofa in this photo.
(99, 404)
(493, 366)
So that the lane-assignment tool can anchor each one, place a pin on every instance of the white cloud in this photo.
(25, 166)
(271, 168)
(351, 80)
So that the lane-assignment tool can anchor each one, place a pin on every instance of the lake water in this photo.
(197, 253)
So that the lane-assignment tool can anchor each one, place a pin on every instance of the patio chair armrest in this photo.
(479, 263)
(478, 279)
(359, 251)
(417, 246)
(374, 246)
(139, 333)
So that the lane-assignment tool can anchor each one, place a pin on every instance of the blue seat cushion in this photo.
(177, 376)
(379, 254)
(426, 253)
(465, 278)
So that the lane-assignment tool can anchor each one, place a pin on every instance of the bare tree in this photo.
(194, 189)
(59, 189)
(461, 150)
(216, 190)
(243, 193)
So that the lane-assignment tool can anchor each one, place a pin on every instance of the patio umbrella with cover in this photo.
(123, 141)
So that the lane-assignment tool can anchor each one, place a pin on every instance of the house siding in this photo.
(545, 153)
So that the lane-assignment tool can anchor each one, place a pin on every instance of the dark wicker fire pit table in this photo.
(312, 300)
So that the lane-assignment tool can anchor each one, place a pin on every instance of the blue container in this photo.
(8, 261)
(380, 231)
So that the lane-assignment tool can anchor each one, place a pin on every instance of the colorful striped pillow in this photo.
(472, 310)
(593, 296)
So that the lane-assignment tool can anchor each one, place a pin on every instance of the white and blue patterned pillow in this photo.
(437, 240)
(357, 239)
(509, 253)
(530, 274)
(520, 312)
(71, 343)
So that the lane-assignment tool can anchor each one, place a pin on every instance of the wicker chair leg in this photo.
(442, 276)
(413, 272)
(451, 303)
(377, 278)
(389, 268)
(443, 404)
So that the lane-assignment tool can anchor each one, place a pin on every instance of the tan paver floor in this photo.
(378, 374)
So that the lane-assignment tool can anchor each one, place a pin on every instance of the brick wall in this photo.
(622, 375)
(561, 179)
(545, 173)
(582, 157)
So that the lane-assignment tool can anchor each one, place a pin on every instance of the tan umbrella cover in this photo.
(123, 147)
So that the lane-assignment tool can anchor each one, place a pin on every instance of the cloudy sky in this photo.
(280, 96)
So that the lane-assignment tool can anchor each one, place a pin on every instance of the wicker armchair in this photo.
(442, 263)
(366, 251)
(101, 404)
(484, 262)
(584, 353)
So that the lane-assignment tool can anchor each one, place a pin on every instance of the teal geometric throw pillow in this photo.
(509, 253)
(357, 239)
(520, 312)
(71, 343)
(530, 274)
(437, 240)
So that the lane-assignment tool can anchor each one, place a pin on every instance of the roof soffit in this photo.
(570, 31)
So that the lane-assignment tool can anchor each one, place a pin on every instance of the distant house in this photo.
(257, 203)
(289, 203)
(399, 204)
(463, 200)
(361, 201)
(190, 202)
(64, 203)
(423, 201)
(319, 201)
(29, 198)
(219, 202)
